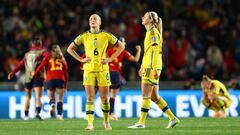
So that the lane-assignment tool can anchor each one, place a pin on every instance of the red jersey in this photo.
(116, 64)
(55, 69)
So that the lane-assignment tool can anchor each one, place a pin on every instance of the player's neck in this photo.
(94, 30)
(148, 27)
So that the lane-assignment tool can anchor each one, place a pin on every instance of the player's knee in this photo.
(90, 97)
(104, 99)
(113, 94)
(228, 104)
(204, 102)
(216, 99)
(154, 99)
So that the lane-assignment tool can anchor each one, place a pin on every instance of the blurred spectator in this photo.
(190, 28)
(190, 85)
(10, 63)
(214, 57)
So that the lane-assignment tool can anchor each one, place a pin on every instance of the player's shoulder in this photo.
(154, 31)
(217, 82)
(83, 34)
(87, 32)
(106, 33)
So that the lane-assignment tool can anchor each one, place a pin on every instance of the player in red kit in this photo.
(57, 78)
(115, 68)
(30, 61)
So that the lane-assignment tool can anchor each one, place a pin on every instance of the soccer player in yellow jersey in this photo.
(96, 72)
(150, 70)
(215, 96)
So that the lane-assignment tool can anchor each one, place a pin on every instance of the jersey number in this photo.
(95, 51)
(56, 64)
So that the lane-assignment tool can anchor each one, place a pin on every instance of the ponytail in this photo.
(159, 25)
(156, 21)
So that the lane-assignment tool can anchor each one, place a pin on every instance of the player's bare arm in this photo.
(120, 48)
(137, 56)
(72, 51)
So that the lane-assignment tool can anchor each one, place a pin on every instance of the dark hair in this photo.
(36, 40)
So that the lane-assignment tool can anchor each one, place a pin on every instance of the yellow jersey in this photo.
(95, 47)
(219, 89)
(152, 57)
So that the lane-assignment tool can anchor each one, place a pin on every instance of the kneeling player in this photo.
(215, 96)
(57, 79)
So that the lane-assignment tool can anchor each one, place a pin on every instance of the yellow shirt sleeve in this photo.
(113, 40)
(78, 40)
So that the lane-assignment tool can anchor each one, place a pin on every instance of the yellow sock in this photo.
(105, 109)
(90, 113)
(144, 110)
(164, 107)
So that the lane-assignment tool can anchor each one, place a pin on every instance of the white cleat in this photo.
(136, 126)
(26, 118)
(173, 123)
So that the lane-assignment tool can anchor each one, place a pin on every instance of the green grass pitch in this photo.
(154, 126)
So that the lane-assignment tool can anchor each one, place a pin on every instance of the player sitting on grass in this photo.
(215, 96)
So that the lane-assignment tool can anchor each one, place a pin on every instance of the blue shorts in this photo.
(55, 83)
(115, 79)
(34, 83)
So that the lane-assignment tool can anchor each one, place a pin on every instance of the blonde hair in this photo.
(156, 21)
(206, 78)
(56, 50)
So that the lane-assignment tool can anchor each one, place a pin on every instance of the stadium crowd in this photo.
(200, 36)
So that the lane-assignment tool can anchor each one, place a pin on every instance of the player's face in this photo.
(146, 19)
(206, 85)
(94, 21)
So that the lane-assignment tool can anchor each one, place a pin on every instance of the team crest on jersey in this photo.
(153, 39)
